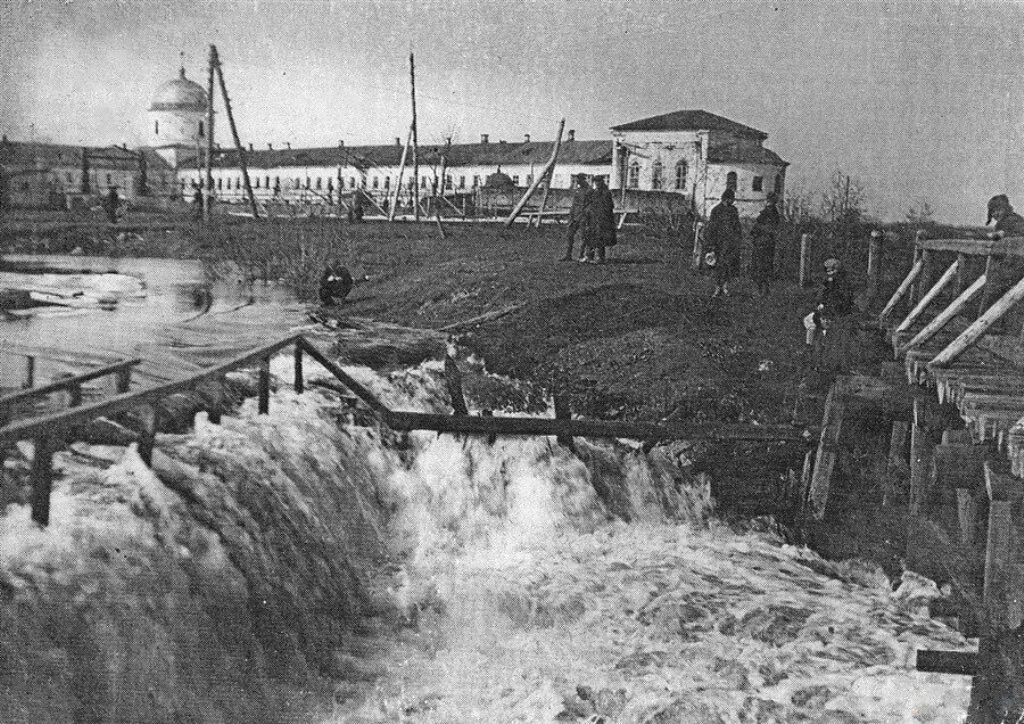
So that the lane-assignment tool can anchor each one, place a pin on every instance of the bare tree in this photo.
(843, 201)
(797, 206)
(921, 213)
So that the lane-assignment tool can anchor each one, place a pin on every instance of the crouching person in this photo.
(335, 284)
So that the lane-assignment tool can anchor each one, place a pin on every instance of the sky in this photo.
(919, 101)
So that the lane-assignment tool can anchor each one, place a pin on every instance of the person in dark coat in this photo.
(833, 317)
(335, 284)
(1006, 270)
(598, 223)
(723, 237)
(763, 237)
(111, 204)
(579, 203)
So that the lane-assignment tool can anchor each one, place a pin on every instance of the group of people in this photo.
(592, 216)
(723, 240)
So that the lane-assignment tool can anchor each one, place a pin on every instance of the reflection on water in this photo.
(178, 300)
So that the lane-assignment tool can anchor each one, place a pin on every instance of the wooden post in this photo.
(234, 132)
(415, 142)
(945, 316)
(124, 379)
(562, 413)
(147, 436)
(874, 265)
(895, 463)
(264, 386)
(921, 449)
(924, 281)
(30, 372)
(828, 447)
(961, 277)
(698, 244)
(453, 380)
(42, 478)
(536, 182)
(986, 297)
(805, 260)
(544, 198)
(401, 172)
(973, 333)
(967, 515)
(929, 296)
(75, 398)
(208, 191)
(299, 381)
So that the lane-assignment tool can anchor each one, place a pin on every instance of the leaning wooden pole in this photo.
(544, 197)
(401, 172)
(234, 133)
(208, 191)
(536, 182)
(974, 332)
(415, 140)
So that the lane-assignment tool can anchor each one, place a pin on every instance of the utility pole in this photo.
(415, 159)
(208, 191)
(234, 132)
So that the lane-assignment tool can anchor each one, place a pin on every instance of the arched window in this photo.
(730, 180)
(387, 182)
(633, 180)
(200, 129)
(657, 171)
(376, 182)
(681, 170)
(156, 128)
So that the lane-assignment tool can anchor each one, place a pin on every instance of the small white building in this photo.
(177, 119)
(698, 154)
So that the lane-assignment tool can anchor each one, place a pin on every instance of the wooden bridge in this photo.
(956, 335)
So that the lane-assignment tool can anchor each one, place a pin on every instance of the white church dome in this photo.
(179, 94)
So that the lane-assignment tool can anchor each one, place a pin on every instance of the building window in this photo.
(515, 180)
(307, 182)
(657, 171)
(757, 184)
(110, 179)
(220, 184)
(319, 182)
(351, 182)
(376, 182)
(448, 181)
(156, 128)
(277, 182)
(730, 181)
(633, 179)
(681, 175)
(257, 182)
(462, 182)
(423, 182)
(529, 179)
(476, 181)
(387, 182)
(200, 129)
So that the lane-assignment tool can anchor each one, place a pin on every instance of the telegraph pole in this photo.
(208, 195)
(234, 133)
(415, 159)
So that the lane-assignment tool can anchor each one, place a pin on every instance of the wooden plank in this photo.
(299, 380)
(967, 514)
(947, 662)
(264, 385)
(929, 297)
(828, 442)
(945, 316)
(974, 332)
(896, 465)
(1013, 246)
(901, 291)
(921, 450)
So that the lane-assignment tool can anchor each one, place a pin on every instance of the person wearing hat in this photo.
(763, 236)
(579, 203)
(1005, 270)
(832, 317)
(723, 237)
(598, 223)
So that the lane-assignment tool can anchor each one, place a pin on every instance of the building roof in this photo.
(735, 153)
(179, 94)
(689, 121)
(49, 155)
(462, 154)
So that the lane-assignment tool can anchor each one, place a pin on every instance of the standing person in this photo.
(599, 222)
(111, 204)
(1006, 270)
(723, 236)
(833, 317)
(763, 237)
(579, 203)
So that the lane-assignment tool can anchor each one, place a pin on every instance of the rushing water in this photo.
(158, 306)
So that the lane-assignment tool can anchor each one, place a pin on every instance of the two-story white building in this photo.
(698, 154)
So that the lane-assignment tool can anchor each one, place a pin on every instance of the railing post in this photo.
(562, 413)
(264, 386)
(30, 372)
(874, 265)
(299, 382)
(805, 260)
(76, 395)
(124, 379)
(42, 479)
(147, 437)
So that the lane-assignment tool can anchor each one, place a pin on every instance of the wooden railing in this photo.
(49, 430)
(72, 385)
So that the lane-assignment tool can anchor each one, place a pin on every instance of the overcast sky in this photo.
(919, 100)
